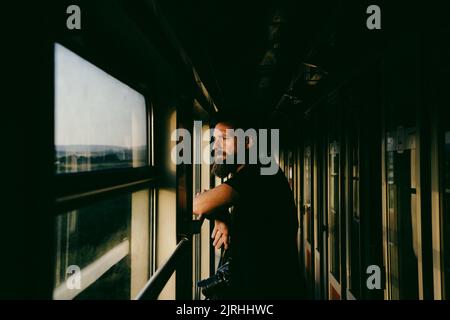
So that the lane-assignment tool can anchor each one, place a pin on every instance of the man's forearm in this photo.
(207, 202)
(221, 214)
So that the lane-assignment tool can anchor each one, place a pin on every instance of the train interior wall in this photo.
(367, 166)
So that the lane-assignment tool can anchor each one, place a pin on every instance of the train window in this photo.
(100, 122)
(197, 188)
(203, 252)
(290, 172)
(402, 214)
(334, 208)
(197, 155)
(447, 162)
(307, 176)
(355, 179)
(106, 244)
(354, 219)
(446, 215)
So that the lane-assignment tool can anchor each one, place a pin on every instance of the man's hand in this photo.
(220, 235)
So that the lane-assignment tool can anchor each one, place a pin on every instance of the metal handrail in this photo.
(158, 281)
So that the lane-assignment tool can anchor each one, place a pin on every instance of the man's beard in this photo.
(222, 170)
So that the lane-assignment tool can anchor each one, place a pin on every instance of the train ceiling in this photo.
(259, 56)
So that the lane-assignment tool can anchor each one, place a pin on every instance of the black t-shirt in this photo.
(264, 236)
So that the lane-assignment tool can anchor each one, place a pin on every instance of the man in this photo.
(264, 223)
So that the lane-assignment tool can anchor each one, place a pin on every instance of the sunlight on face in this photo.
(224, 145)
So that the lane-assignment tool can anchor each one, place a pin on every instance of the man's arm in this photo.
(220, 196)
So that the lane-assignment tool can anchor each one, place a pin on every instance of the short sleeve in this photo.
(243, 181)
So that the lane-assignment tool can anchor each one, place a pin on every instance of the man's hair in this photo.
(235, 119)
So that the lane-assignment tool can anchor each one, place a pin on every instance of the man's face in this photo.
(224, 147)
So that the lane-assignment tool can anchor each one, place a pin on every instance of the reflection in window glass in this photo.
(447, 162)
(355, 245)
(446, 215)
(392, 228)
(334, 203)
(402, 228)
(100, 122)
(355, 181)
(197, 188)
(307, 178)
(96, 240)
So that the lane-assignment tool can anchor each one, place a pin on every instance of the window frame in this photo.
(78, 189)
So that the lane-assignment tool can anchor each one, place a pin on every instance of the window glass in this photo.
(334, 204)
(100, 122)
(95, 243)
(355, 180)
(307, 177)
(447, 162)
(402, 227)
(197, 188)
(446, 215)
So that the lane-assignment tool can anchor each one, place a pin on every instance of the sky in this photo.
(94, 108)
